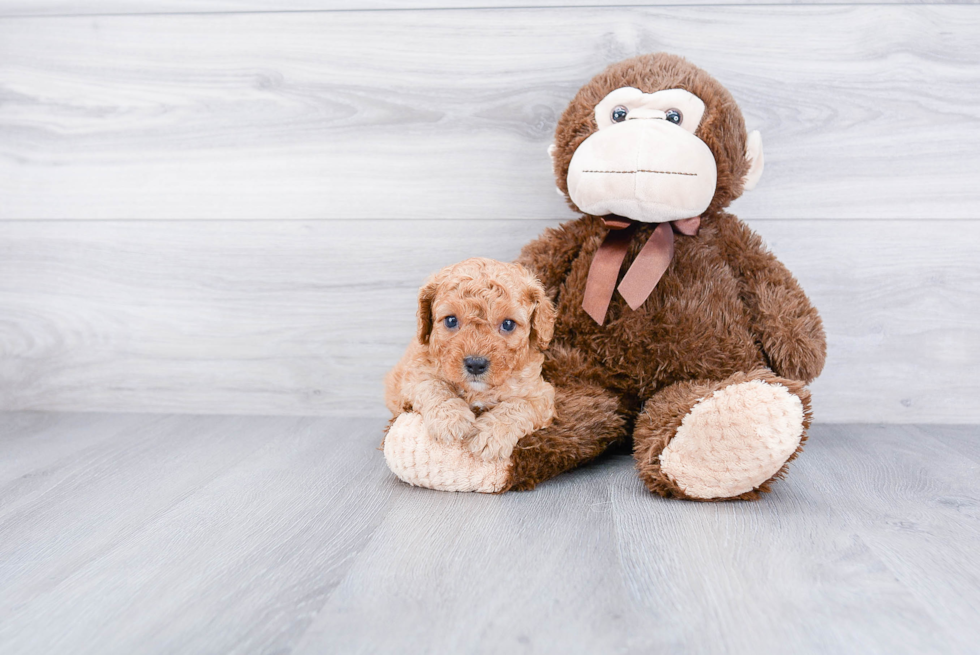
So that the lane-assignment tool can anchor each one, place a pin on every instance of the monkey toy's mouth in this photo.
(643, 170)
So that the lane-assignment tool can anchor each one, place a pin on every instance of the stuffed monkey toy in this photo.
(677, 330)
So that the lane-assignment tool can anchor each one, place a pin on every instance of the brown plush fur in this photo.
(494, 409)
(726, 309)
(662, 415)
(588, 419)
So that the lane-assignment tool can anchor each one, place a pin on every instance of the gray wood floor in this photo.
(149, 533)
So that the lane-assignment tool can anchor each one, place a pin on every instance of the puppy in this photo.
(474, 372)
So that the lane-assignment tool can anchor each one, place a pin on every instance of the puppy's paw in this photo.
(450, 421)
(494, 439)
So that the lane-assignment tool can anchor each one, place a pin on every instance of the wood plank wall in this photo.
(226, 206)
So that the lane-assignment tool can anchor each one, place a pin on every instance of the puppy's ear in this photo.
(542, 316)
(426, 295)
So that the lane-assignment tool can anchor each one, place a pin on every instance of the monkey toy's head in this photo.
(654, 139)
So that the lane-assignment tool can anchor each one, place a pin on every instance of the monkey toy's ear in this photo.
(552, 149)
(426, 295)
(753, 153)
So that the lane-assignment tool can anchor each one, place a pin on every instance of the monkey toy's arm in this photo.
(786, 324)
(550, 256)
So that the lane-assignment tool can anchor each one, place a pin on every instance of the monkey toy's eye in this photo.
(619, 113)
(508, 325)
(674, 116)
(451, 322)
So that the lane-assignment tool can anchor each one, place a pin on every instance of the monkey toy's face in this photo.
(650, 139)
(644, 162)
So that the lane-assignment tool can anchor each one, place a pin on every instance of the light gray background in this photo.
(208, 210)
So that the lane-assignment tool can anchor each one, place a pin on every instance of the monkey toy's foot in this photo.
(721, 440)
(420, 460)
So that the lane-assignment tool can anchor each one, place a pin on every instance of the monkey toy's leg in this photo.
(586, 423)
(720, 440)
(588, 420)
(420, 460)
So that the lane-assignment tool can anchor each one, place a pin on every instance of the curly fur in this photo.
(494, 409)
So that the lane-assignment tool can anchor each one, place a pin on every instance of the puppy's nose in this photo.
(476, 365)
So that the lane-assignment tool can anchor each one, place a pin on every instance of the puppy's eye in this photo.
(674, 116)
(451, 322)
(619, 114)
(508, 325)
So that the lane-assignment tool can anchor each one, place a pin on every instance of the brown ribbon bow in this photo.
(643, 274)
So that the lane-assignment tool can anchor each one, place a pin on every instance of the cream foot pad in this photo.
(734, 440)
(420, 460)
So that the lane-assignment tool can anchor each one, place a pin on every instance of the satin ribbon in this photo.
(643, 274)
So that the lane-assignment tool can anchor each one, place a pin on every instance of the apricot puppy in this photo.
(474, 372)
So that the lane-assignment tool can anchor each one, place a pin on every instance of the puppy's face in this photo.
(484, 320)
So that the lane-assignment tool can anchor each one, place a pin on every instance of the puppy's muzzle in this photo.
(476, 365)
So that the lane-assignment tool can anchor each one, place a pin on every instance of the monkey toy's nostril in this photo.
(643, 112)
(476, 365)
